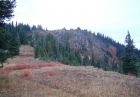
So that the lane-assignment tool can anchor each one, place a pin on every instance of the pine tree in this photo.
(50, 46)
(3, 40)
(14, 45)
(86, 61)
(78, 58)
(92, 60)
(4, 45)
(6, 13)
(3, 57)
(22, 34)
(6, 10)
(129, 60)
(113, 65)
(98, 64)
(105, 62)
(36, 51)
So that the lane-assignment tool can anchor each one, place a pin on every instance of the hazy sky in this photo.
(110, 17)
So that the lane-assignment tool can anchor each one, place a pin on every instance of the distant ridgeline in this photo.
(74, 47)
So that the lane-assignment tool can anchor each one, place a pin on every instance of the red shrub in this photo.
(50, 65)
(26, 73)
(17, 67)
(44, 65)
(41, 65)
(130, 74)
(9, 68)
(33, 66)
(1, 72)
(31, 55)
(50, 73)
(26, 66)
(22, 66)
(5, 71)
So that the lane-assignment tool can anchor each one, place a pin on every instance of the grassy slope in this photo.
(40, 79)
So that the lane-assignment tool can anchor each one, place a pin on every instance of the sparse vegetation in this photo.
(64, 81)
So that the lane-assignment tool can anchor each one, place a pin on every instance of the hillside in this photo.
(72, 47)
(77, 47)
(24, 76)
(86, 43)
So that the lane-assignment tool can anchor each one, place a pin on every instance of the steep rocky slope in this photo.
(87, 43)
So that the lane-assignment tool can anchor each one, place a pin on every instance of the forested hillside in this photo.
(74, 47)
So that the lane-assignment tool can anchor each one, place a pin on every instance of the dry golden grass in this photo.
(60, 80)
(69, 82)
(19, 87)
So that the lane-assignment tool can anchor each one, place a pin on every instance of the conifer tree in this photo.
(3, 57)
(86, 61)
(6, 13)
(14, 45)
(113, 67)
(129, 60)
(6, 10)
(92, 60)
(3, 46)
(98, 64)
(105, 62)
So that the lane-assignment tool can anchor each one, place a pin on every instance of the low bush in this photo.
(45, 65)
(50, 73)
(26, 73)
(9, 69)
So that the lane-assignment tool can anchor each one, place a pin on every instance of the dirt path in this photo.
(58, 80)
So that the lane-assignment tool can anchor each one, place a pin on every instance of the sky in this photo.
(110, 17)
